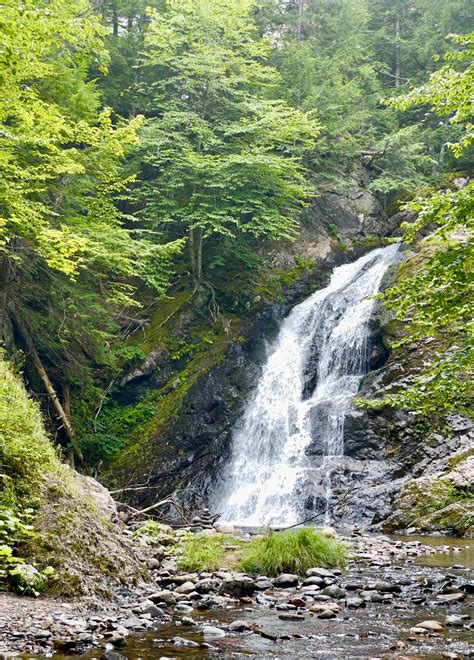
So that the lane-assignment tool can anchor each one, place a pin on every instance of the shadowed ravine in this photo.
(314, 369)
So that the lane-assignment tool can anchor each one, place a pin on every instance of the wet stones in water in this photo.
(186, 588)
(212, 631)
(385, 587)
(455, 620)
(451, 598)
(262, 584)
(320, 572)
(237, 585)
(181, 641)
(286, 581)
(151, 609)
(334, 591)
(291, 616)
(319, 608)
(297, 602)
(238, 626)
(164, 596)
(206, 585)
(355, 603)
(327, 614)
(314, 580)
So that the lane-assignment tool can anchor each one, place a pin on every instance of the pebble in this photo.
(327, 614)
(183, 609)
(431, 624)
(238, 626)
(291, 616)
(451, 598)
(355, 603)
(212, 631)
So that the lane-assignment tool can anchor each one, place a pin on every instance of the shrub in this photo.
(25, 451)
(292, 551)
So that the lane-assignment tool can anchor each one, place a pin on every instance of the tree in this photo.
(435, 301)
(61, 158)
(220, 157)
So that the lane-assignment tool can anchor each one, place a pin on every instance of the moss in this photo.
(370, 242)
(25, 451)
(435, 505)
(69, 532)
(157, 331)
(140, 446)
(79, 543)
(456, 460)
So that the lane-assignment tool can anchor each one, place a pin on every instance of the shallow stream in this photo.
(381, 630)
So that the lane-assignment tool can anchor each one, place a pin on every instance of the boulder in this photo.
(238, 585)
(286, 581)
(102, 498)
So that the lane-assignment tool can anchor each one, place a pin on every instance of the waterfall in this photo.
(314, 369)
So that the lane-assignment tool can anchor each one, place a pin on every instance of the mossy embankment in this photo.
(50, 516)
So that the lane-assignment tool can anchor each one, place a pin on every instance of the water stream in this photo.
(313, 370)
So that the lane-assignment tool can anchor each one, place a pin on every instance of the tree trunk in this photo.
(398, 76)
(195, 252)
(115, 20)
(438, 166)
(5, 326)
(299, 29)
(41, 371)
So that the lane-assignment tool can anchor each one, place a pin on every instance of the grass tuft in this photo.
(204, 553)
(292, 551)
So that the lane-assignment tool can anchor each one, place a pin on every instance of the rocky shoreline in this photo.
(204, 608)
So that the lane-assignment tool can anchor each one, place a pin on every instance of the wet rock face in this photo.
(198, 438)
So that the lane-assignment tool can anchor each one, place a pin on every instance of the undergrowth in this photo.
(205, 553)
(292, 551)
(277, 552)
(25, 456)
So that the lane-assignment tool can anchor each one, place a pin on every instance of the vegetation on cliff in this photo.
(48, 514)
(433, 293)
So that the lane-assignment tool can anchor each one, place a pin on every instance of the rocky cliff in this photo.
(398, 471)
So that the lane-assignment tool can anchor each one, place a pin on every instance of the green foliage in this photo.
(449, 91)
(25, 451)
(292, 551)
(222, 159)
(107, 434)
(69, 259)
(435, 300)
(15, 528)
(204, 553)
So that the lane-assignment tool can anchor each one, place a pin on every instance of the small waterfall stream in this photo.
(313, 371)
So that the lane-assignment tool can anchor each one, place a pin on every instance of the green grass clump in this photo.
(205, 553)
(292, 551)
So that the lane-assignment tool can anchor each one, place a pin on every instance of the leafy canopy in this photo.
(436, 298)
(219, 154)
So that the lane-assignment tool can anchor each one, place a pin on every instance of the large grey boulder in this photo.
(101, 497)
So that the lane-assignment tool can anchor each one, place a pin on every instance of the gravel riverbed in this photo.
(391, 601)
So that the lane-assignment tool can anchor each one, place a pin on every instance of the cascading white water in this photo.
(313, 371)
